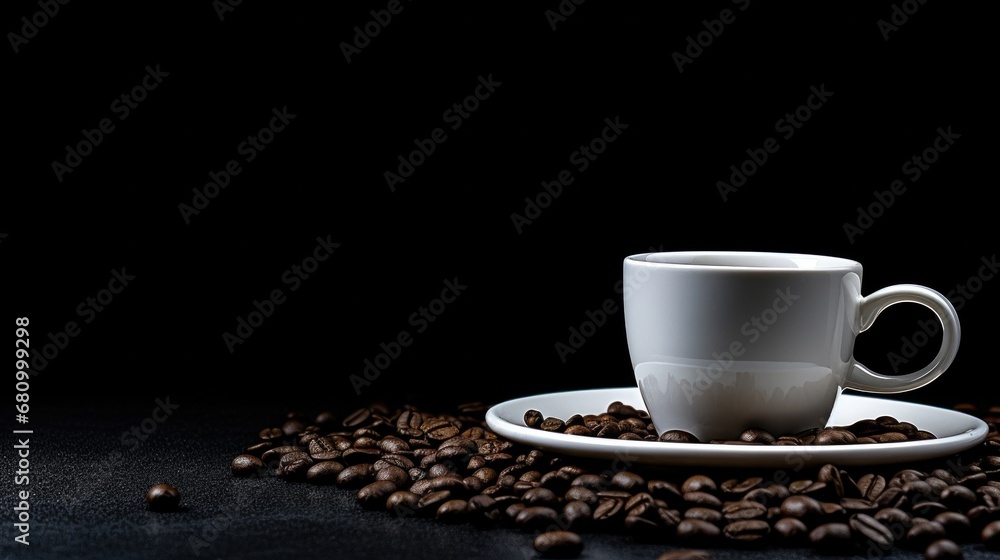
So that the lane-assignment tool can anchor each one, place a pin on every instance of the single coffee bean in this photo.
(577, 514)
(609, 430)
(540, 497)
(258, 449)
(354, 477)
(943, 549)
(271, 434)
(324, 472)
(698, 483)
(956, 525)
(357, 418)
(533, 418)
(835, 436)
(871, 530)
(740, 486)
(374, 495)
(990, 535)
(704, 514)
(294, 465)
(628, 481)
(871, 485)
(663, 489)
(393, 474)
(702, 499)
(830, 475)
(552, 424)
(920, 535)
(958, 497)
(246, 465)
(453, 511)
(590, 481)
(163, 497)
(429, 503)
(832, 537)
(747, 530)
(274, 454)
(791, 529)
(678, 436)
(697, 531)
(757, 435)
(802, 507)
(609, 509)
(580, 430)
(581, 494)
(744, 509)
(558, 544)
(535, 517)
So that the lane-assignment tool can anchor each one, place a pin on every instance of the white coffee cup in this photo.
(722, 341)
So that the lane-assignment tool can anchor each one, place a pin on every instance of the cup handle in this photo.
(864, 379)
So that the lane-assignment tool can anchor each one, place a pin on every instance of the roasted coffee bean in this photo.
(744, 509)
(832, 537)
(609, 430)
(258, 449)
(357, 418)
(747, 530)
(791, 529)
(922, 534)
(990, 536)
(558, 544)
(163, 497)
(871, 486)
(294, 465)
(356, 455)
(393, 474)
(355, 477)
(409, 419)
(274, 454)
(483, 509)
(663, 489)
(802, 507)
(439, 429)
(375, 494)
(271, 434)
(246, 465)
(540, 497)
(579, 430)
(704, 514)
(943, 549)
(835, 436)
(324, 472)
(577, 515)
(533, 418)
(956, 525)
(699, 483)
(453, 511)
(830, 475)
(872, 530)
(581, 494)
(702, 499)
(609, 509)
(735, 486)
(697, 531)
(757, 435)
(958, 497)
(429, 503)
(552, 424)
(678, 436)
(628, 481)
(858, 505)
(532, 518)
(590, 481)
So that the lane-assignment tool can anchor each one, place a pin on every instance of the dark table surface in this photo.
(88, 484)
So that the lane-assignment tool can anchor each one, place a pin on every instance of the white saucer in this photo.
(955, 432)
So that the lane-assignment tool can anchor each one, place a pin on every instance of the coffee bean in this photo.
(628, 481)
(258, 449)
(551, 424)
(536, 517)
(678, 436)
(958, 497)
(791, 529)
(757, 435)
(832, 537)
(271, 434)
(246, 465)
(747, 530)
(697, 531)
(922, 534)
(744, 509)
(429, 503)
(577, 515)
(163, 497)
(871, 530)
(355, 477)
(956, 525)
(802, 507)
(835, 436)
(294, 465)
(990, 535)
(375, 494)
(409, 419)
(453, 511)
(704, 514)
(558, 544)
(740, 486)
(324, 472)
(274, 454)
(871, 486)
(699, 483)
(609, 509)
(943, 549)
(702, 499)
(540, 497)
(581, 494)
(580, 430)
(357, 418)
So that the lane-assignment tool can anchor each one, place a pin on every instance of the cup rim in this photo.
(741, 261)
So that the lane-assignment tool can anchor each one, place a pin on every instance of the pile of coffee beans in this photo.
(623, 421)
(410, 462)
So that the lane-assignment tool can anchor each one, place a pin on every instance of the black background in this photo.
(654, 188)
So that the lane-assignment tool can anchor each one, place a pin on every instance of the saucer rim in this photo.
(719, 455)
